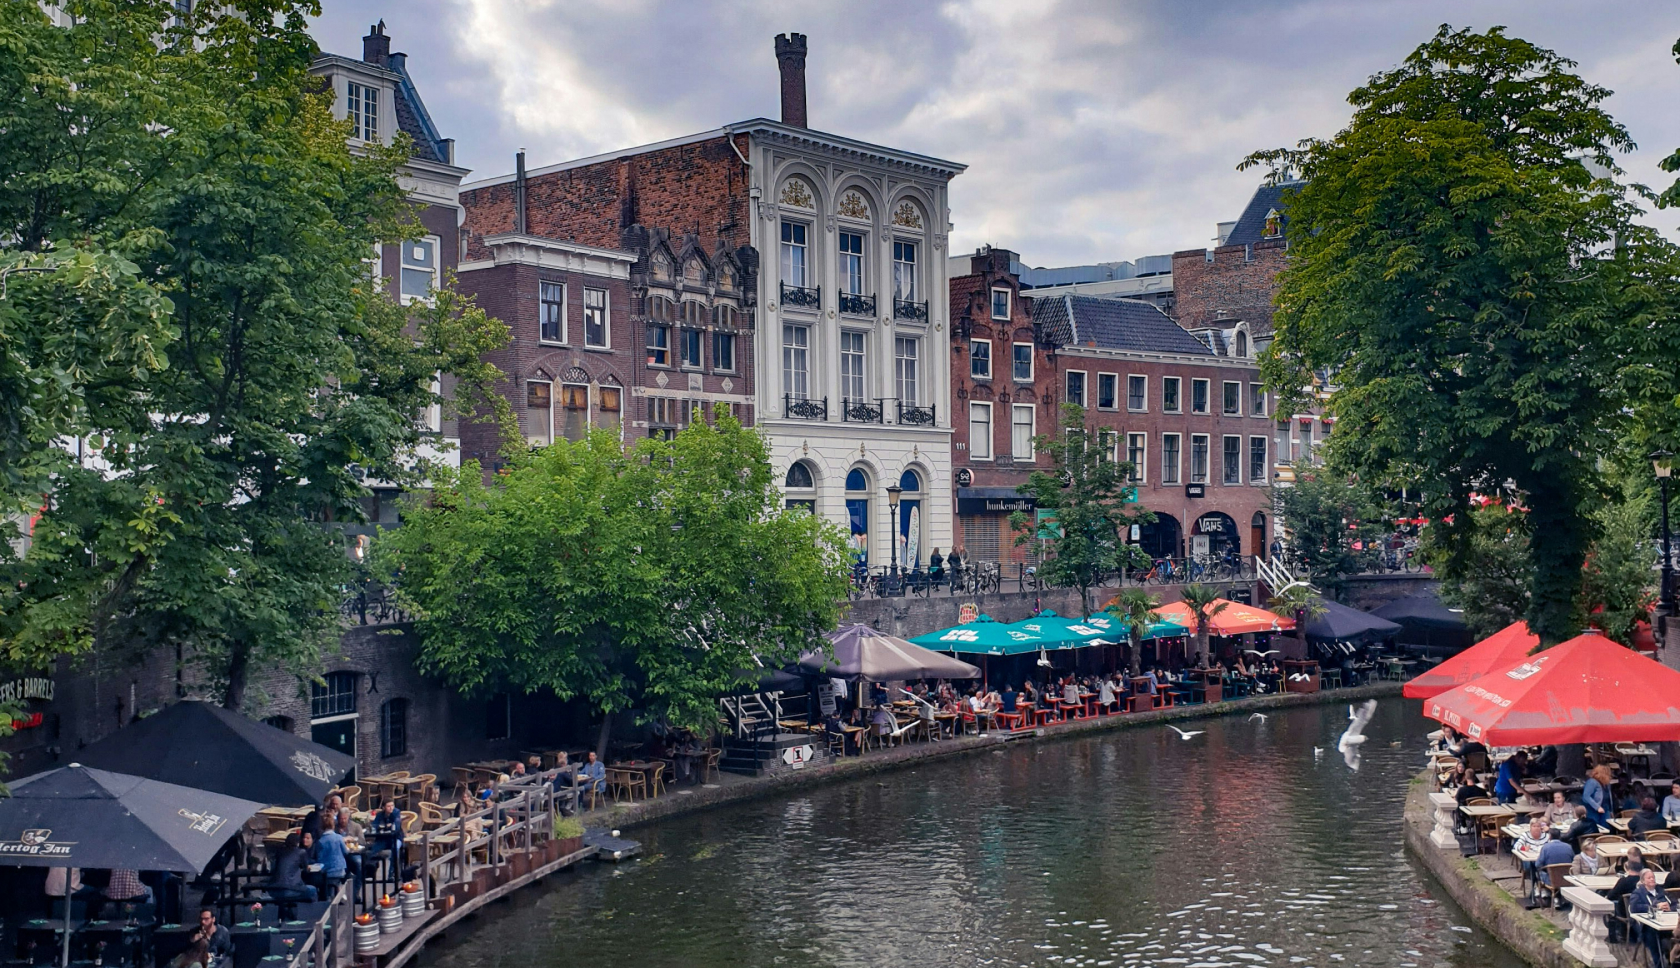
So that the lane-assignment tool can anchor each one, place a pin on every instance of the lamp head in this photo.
(1661, 463)
(893, 493)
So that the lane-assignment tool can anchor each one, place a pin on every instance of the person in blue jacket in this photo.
(1509, 786)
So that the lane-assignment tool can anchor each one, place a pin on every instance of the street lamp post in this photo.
(893, 494)
(1660, 463)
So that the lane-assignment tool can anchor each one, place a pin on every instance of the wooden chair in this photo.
(709, 768)
(352, 796)
(431, 815)
(410, 822)
(463, 777)
(398, 775)
(627, 781)
(656, 780)
(426, 789)
(1555, 874)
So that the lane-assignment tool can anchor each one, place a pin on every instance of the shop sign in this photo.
(965, 477)
(1195, 490)
(798, 756)
(1211, 524)
(967, 612)
(995, 505)
(18, 690)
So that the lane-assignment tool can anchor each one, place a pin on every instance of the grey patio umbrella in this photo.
(1339, 623)
(862, 654)
(202, 745)
(77, 817)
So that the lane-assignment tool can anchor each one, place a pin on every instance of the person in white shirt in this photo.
(1105, 693)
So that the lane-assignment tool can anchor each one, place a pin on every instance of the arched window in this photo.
(911, 482)
(857, 513)
(1242, 344)
(912, 547)
(725, 317)
(799, 477)
(694, 314)
(661, 308)
(857, 480)
(393, 728)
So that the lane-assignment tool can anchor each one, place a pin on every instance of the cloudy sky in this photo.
(1093, 130)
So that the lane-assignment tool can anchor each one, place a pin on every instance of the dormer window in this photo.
(1274, 225)
(363, 111)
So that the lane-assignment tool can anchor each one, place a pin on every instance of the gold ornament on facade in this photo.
(852, 205)
(797, 194)
(907, 215)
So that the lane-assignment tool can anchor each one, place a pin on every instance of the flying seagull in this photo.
(1182, 734)
(1265, 653)
(1259, 716)
(1354, 736)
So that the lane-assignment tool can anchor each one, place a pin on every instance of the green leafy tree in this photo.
(192, 178)
(1086, 491)
(1205, 603)
(1136, 609)
(1301, 602)
(1618, 584)
(645, 579)
(1486, 572)
(1462, 271)
(1327, 515)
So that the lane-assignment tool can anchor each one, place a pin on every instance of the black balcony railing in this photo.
(863, 411)
(906, 309)
(800, 297)
(914, 416)
(854, 305)
(803, 408)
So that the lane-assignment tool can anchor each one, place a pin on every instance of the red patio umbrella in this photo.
(1501, 650)
(1586, 690)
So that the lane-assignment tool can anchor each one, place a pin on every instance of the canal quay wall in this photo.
(1532, 936)
(831, 770)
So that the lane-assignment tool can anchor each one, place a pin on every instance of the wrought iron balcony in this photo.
(863, 411)
(800, 297)
(804, 409)
(855, 305)
(914, 416)
(906, 309)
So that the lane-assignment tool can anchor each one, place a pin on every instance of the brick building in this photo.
(848, 309)
(1193, 420)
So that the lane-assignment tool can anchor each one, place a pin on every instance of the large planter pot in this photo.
(367, 936)
(390, 919)
(518, 865)
(570, 845)
(483, 880)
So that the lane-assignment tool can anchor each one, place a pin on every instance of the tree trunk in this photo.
(601, 738)
(1135, 660)
(1557, 550)
(239, 670)
(1572, 760)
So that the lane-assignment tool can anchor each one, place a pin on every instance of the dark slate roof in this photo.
(412, 117)
(1119, 324)
(1251, 225)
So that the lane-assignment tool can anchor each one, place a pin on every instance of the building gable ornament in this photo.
(852, 205)
(796, 194)
(574, 374)
(907, 216)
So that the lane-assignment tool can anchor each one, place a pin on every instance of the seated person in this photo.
(216, 941)
(1470, 789)
(1579, 828)
(833, 725)
(593, 774)
(1647, 898)
(1552, 852)
(1560, 813)
(1588, 861)
(384, 831)
(1533, 839)
(1671, 804)
(1070, 692)
(883, 721)
(285, 882)
(1646, 820)
(1105, 694)
(1007, 701)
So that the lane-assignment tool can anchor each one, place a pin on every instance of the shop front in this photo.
(983, 523)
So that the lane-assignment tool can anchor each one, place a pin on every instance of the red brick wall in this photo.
(1241, 280)
(971, 307)
(699, 187)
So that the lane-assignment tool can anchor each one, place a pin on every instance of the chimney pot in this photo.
(376, 46)
(790, 57)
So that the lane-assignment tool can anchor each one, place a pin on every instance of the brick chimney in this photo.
(376, 47)
(790, 57)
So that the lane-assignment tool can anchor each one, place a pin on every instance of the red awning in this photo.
(1586, 690)
(1501, 650)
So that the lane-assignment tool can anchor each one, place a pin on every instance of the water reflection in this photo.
(1236, 847)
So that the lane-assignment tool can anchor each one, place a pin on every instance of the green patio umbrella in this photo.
(983, 636)
(1060, 632)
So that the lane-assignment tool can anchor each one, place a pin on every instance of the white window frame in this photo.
(1242, 458)
(666, 349)
(1207, 395)
(1114, 381)
(1140, 467)
(847, 261)
(357, 98)
(787, 250)
(860, 358)
(984, 449)
(907, 369)
(530, 438)
(1207, 458)
(1031, 365)
(402, 266)
(542, 303)
(1265, 460)
(899, 273)
(1145, 396)
(1178, 383)
(1224, 386)
(791, 352)
(734, 351)
(1008, 303)
(1032, 430)
(1257, 400)
(682, 349)
(972, 344)
(606, 319)
(1084, 386)
(1172, 472)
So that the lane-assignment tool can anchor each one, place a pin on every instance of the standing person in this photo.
(955, 564)
(1595, 795)
(936, 567)
(334, 858)
(1508, 787)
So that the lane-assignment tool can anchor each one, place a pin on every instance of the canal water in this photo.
(1236, 847)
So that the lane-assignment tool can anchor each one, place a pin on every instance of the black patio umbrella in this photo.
(1424, 620)
(76, 817)
(1339, 623)
(200, 744)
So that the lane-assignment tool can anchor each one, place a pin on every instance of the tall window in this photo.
(1230, 468)
(335, 695)
(363, 111)
(1000, 304)
(1021, 432)
(691, 340)
(1137, 393)
(723, 352)
(498, 717)
(1198, 396)
(1172, 397)
(1169, 458)
(553, 312)
(393, 727)
(980, 359)
(1256, 460)
(904, 271)
(905, 350)
(419, 268)
(1137, 456)
(539, 413)
(574, 411)
(980, 431)
(595, 317)
(1198, 458)
(793, 254)
(851, 263)
(1076, 387)
(1242, 344)
(1257, 399)
(659, 345)
(1023, 362)
(852, 385)
(1108, 391)
(796, 361)
(1232, 399)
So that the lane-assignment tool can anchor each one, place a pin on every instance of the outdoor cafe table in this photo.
(1593, 882)
(1660, 921)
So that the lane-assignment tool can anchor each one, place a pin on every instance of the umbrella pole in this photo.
(69, 879)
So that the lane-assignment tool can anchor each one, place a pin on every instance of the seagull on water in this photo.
(1318, 752)
(1182, 734)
